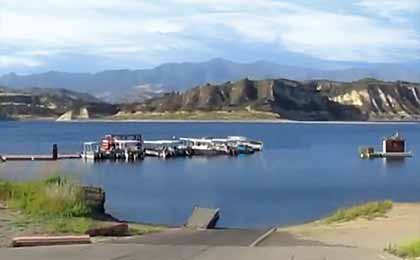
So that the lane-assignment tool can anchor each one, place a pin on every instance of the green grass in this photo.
(76, 225)
(139, 229)
(369, 211)
(55, 203)
(54, 197)
(409, 250)
(55, 206)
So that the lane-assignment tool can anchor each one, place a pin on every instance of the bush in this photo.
(369, 211)
(53, 197)
(408, 250)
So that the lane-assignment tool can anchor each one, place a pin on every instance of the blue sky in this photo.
(93, 35)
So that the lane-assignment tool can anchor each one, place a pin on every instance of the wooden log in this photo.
(50, 240)
(116, 230)
(95, 198)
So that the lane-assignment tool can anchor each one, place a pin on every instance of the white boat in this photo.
(254, 144)
(91, 151)
(201, 146)
(166, 148)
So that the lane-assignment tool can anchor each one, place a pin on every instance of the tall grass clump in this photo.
(55, 196)
(369, 211)
(410, 250)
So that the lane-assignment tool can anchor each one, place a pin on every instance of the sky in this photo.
(94, 35)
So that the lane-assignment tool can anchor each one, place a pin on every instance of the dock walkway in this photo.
(37, 157)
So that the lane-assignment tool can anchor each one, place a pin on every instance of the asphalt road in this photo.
(187, 244)
(166, 252)
(190, 237)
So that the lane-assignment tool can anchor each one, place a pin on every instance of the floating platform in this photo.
(38, 157)
(394, 155)
(393, 147)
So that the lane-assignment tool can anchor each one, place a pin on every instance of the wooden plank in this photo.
(50, 240)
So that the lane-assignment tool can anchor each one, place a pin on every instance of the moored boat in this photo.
(202, 146)
(115, 147)
(166, 148)
(254, 144)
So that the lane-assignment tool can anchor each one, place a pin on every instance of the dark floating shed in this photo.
(393, 144)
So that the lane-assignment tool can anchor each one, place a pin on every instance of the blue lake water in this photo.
(305, 172)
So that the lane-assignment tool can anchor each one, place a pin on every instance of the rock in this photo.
(115, 230)
(78, 114)
(68, 116)
(3, 206)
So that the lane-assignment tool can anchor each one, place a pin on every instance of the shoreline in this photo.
(251, 121)
(222, 121)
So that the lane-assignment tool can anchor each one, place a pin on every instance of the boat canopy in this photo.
(196, 140)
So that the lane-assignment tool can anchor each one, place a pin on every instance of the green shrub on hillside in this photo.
(369, 211)
(409, 250)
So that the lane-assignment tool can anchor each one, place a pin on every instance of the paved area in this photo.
(211, 237)
(162, 252)
(286, 239)
(400, 225)
(360, 239)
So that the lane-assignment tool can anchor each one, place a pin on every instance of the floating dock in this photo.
(393, 147)
(39, 157)
(132, 147)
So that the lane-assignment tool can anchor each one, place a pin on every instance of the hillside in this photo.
(366, 99)
(137, 85)
(35, 103)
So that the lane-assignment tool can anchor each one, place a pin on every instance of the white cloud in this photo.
(157, 31)
(390, 8)
(13, 61)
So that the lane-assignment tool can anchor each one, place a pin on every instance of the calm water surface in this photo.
(305, 171)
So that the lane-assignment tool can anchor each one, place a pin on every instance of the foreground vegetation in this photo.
(410, 250)
(54, 206)
(368, 211)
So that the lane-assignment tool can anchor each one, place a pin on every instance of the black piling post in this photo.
(55, 152)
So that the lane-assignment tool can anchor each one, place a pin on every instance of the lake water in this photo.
(305, 172)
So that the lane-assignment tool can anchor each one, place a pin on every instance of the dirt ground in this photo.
(400, 225)
(12, 224)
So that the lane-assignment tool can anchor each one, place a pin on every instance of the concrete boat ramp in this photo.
(133, 251)
(193, 244)
(199, 240)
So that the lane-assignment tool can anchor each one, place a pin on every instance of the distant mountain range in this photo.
(137, 85)
(367, 99)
